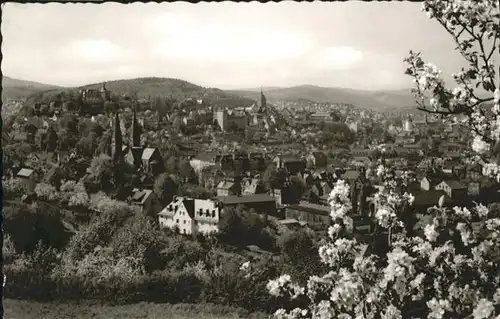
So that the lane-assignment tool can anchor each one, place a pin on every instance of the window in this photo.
(177, 221)
(184, 222)
(213, 213)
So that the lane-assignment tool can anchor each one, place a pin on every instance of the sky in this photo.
(354, 44)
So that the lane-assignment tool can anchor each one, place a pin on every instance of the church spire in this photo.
(263, 101)
(117, 141)
(136, 134)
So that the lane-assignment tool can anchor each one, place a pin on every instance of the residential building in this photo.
(27, 177)
(318, 159)
(428, 183)
(454, 189)
(253, 186)
(146, 200)
(261, 203)
(291, 163)
(191, 216)
(312, 214)
(227, 188)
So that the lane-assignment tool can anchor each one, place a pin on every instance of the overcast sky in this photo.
(227, 45)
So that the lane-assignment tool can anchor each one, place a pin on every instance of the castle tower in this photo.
(104, 92)
(117, 141)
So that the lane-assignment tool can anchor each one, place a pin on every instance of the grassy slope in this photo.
(24, 309)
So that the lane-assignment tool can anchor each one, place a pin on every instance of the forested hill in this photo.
(391, 100)
(167, 87)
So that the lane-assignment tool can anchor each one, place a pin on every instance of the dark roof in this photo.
(235, 200)
(429, 198)
(455, 184)
(189, 204)
(289, 158)
(313, 208)
(139, 196)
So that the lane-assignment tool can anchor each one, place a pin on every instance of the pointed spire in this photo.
(263, 102)
(136, 134)
(117, 141)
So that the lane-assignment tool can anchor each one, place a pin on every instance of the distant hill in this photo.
(14, 89)
(390, 100)
(168, 87)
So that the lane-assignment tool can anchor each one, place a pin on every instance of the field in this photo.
(24, 309)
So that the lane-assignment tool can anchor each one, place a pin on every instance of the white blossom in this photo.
(430, 233)
(483, 310)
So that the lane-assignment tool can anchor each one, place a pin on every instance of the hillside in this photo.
(14, 89)
(167, 87)
(378, 100)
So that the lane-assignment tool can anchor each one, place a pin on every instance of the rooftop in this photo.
(255, 198)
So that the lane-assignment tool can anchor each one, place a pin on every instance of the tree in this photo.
(110, 107)
(139, 238)
(241, 227)
(28, 226)
(427, 275)
(299, 254)
(104, 146)
(165, 188)
(51, 140)
(186, 171)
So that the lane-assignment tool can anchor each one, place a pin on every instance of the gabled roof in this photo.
(313, 208)
(189, 204)
(429, 198)
(147, 153)
(289, 158)
(454, 184)
(139, 196)
(25, 172)
(225, 185)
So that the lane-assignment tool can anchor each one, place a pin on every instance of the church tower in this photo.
(117, 141)
(136, 130)
(263, 101)
(136, 148)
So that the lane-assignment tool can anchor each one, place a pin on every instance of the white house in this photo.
(428, 183)
(453, 189)
(191, 216)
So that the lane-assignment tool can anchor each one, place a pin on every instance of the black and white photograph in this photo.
(223, 160)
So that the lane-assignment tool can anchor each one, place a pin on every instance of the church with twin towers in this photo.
(145, 159)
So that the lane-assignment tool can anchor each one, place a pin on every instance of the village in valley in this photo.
(188, 163)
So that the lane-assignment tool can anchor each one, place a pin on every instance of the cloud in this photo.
(336, 58)
(92, 50)
(217, 43)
